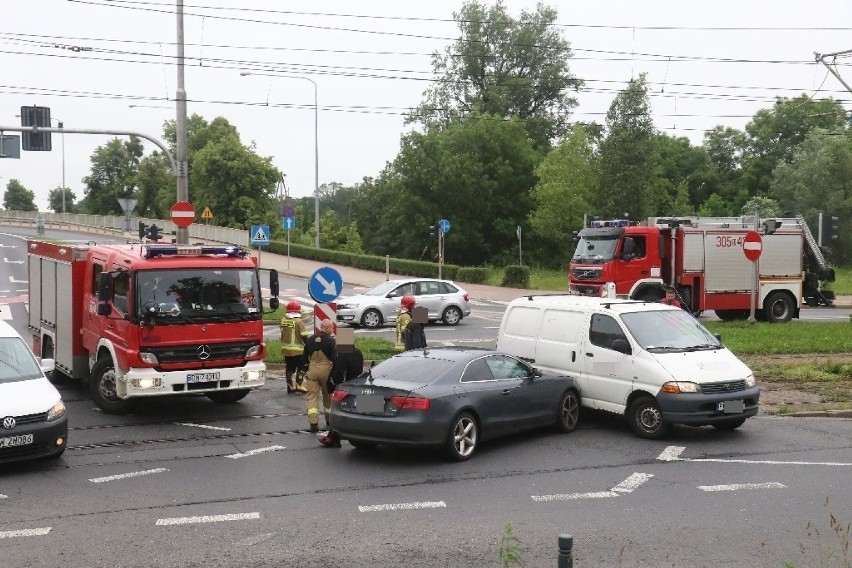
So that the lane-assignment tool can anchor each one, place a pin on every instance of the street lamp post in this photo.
(62, 127)
(316, 144)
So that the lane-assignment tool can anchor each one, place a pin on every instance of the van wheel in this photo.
(568, 412)
(729, 425)
(103, 388)
(228, 397)
(463, 437)
(646, 419)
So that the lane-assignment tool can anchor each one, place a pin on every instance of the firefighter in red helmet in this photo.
(293, 334)
(409, 334)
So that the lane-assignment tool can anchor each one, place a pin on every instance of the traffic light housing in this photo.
(432, 230)
(154, 233)
(829, 229)
(143, 232)
(35, 116)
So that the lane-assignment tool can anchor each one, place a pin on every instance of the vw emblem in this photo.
(203, 352)
(9, 422)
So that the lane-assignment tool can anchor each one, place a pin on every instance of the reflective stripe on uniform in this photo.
(313, 410)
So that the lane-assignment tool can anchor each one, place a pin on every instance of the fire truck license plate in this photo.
(16, 441)
(202, 377)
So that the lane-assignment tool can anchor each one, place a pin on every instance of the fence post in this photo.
(566, 551)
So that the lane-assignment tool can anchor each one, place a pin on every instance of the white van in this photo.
(33, 423)
(653, 363)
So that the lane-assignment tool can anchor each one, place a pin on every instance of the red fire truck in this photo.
(144, 320)
(702, 259)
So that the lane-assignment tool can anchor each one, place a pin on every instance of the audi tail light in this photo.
(410, 402)
(338, 395)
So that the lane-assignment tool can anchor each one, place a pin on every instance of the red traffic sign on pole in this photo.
(183, 213)
(752, 245)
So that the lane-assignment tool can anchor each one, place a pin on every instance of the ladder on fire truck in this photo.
(814, 296)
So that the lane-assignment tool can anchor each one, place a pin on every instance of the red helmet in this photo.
(407, 302)
(294, 307)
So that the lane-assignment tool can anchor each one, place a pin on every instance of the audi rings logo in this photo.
(203, 352)
(9, 422)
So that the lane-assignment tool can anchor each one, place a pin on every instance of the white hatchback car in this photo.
(33, 423)
(444, 299)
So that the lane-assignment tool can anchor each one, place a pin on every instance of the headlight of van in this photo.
(677, 387)
(750, 382)
(57, 412)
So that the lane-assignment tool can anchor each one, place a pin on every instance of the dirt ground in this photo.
(795, 397)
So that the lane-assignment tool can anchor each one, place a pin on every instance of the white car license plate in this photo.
(370, 403)
(12, 441)
(731, 407)
(202, 377)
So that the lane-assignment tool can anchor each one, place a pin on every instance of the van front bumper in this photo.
(697, 409)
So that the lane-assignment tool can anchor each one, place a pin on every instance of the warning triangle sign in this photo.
(260, 235)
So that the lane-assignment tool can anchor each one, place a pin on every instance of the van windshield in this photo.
(669, 330)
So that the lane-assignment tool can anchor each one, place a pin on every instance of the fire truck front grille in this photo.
(201, 352)
(586, 273)
(721, 388)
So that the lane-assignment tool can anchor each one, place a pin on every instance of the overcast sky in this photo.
(109, 64)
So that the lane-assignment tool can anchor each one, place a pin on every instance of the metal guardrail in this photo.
(115, 225)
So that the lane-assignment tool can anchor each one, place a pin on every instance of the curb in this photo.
(817, 414)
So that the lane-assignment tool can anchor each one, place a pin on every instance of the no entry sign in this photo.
(752, 245)
(183, 213)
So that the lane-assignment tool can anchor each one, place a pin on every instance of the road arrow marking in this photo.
(402, 506)
(329, 288)
(207, 519)
(738, 486)
(255, 452)
(672, 453)
(623, 488)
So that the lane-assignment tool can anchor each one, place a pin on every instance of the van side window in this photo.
(604, 330)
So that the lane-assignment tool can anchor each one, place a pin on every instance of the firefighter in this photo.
(320, 352)
(406, 304)
(293, 334)
(348, 365)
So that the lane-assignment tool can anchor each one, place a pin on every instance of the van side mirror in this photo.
(621, 346)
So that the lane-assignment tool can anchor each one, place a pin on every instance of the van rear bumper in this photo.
(702, 409)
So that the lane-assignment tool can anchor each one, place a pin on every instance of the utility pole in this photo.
(181, 233)
(820, 58)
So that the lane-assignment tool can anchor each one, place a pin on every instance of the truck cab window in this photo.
(121, 286)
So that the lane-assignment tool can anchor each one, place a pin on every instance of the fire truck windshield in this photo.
(197, 295)
(595, 249)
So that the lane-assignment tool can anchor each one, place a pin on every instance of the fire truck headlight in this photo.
(147, 383)
(254, 375)
(253, 351)
(57, 412)
(149, 358)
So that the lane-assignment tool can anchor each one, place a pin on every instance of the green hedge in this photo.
(473, 275)
(516, 276)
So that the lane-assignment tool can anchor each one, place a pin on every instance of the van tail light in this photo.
(410, 402)
(339, 394)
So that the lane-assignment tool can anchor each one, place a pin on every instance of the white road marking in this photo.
(7, 261)
(206, 427)
(623, 488)
(25, 532)
(3, 496)
(207, 519)
(738, 486)
(402, 506)
(127, 475)
(5, 312)
(255, 452)
(672, 453)
(15, 281)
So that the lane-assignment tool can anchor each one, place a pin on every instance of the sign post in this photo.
(443, 228)
(752, 247)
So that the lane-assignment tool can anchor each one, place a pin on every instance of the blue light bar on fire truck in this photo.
(597, 223)
(152, 251)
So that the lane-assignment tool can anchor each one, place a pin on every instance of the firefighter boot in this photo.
(291, 384)
(299, 388)
(327, 420)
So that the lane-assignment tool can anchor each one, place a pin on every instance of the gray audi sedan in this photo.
(453, 398)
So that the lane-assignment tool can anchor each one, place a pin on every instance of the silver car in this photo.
(445, 300)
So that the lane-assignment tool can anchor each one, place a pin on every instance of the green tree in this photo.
(113, 176)
(567, 180)
(764, 206)
(629, 156)
(725, 147)
(155, 182)
(687, 167)
(18, 197)
(502, 66)
(54, 200)
(714, 206)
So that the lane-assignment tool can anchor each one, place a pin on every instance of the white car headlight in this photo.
(677, 387)
(57, 412)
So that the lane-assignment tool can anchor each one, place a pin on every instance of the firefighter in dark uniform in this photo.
(320, 352)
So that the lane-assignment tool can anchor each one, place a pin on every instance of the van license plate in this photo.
(731, 407)
(202, 377)
(370, 403)
(12, 441)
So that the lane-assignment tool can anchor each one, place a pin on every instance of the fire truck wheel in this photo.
(778, 307)
(228, 397)
(102, 387)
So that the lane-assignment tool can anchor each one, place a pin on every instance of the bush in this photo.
(516, 277)
(472, 275)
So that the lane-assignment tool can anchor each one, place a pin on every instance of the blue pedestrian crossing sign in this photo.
(288, 222)
(259, 234)
(444, 225)
(325, 285)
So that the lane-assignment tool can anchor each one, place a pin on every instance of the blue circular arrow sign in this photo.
(325, 285)
(444, 225)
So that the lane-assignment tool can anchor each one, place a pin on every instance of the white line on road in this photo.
(402, 506)
(626, 486)
(672, 453)
(7, 261)
(206, 427)
(255, 452)
(25, 532)
(3, 496)
(14, 280)
(5, 312)
(738, 486)
(207, 519)
(127, 475)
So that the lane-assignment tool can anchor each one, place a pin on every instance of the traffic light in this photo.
(35, 116)
(829, 229)
(142, 231)
(432, 229)
(154, 233)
